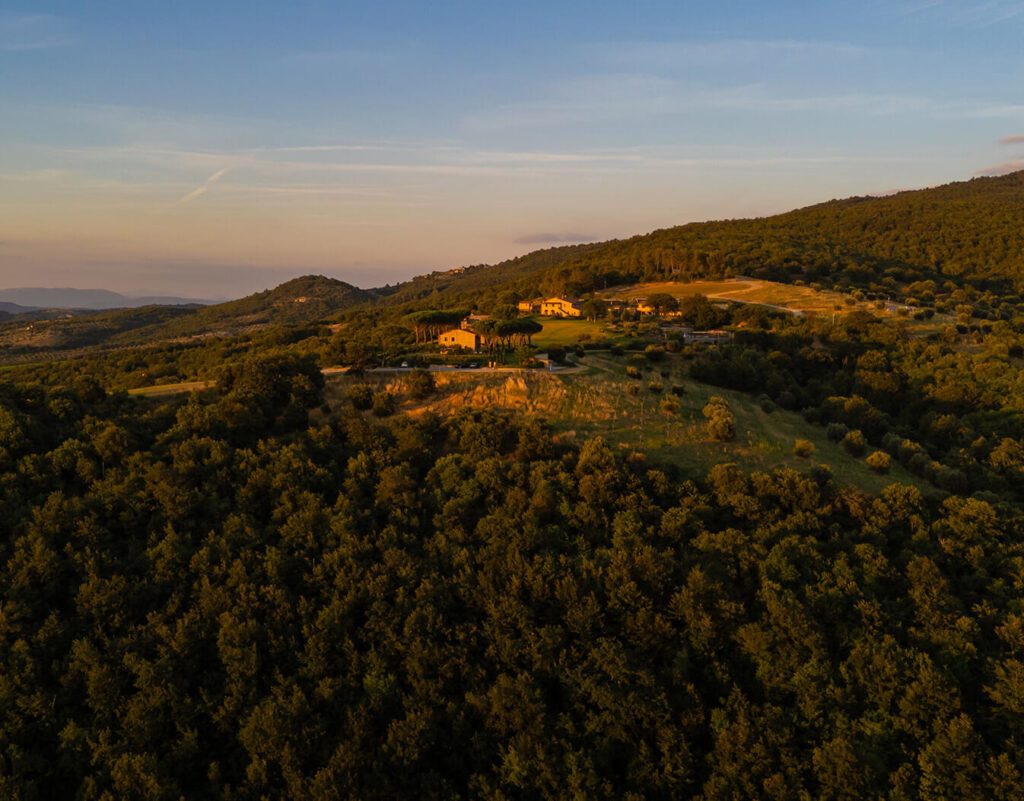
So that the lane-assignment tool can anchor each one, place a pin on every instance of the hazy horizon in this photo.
(215, 151)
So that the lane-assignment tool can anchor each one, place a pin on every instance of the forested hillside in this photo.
(971, 232)
(302, 300)
(213, 599)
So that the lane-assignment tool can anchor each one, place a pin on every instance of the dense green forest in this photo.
(234, 597)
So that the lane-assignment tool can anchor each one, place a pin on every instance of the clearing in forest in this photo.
(785, 297)
(602, 400)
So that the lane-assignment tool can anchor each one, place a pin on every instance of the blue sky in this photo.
(217, 148)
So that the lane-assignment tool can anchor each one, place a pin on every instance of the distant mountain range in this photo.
(24, 299)
(14, 308)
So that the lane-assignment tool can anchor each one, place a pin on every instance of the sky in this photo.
(211, 149)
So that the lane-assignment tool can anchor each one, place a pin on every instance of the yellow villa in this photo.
(459, 338)
(561, 307)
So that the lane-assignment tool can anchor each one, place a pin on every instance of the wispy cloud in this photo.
(203, 188)
(969, 13)
(23, 32)
(731, 51)
(609, 97)
(602, 98)
(36, 176)
(355, 57)
(982, 110)
(1000, 169)
(1015, 139)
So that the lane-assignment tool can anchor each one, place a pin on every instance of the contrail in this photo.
(202, 189)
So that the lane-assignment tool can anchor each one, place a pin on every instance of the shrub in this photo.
(879, 461)
(678, 390)
(656, 387)
(918, 463)
(891, 443)
(855, 443)
(420, 384)
(836, 431)
(633, 372)
(721, 424)
(822, 474)
(654, 353)
(786, 399)
(361, 396)
(556, 354)
(383, 404)
(803, 448)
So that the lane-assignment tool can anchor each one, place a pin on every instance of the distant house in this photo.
(530, 306)
(460, 338)
(561, 307)
(467, 323)
(643, 307)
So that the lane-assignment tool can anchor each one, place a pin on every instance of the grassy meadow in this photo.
(598, 400)
(562, 333)
(802, 299)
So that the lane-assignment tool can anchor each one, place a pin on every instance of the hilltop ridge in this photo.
(965, 232)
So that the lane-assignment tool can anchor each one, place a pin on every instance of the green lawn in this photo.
(567, 332)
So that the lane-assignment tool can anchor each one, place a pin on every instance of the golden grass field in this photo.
(751, 290)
